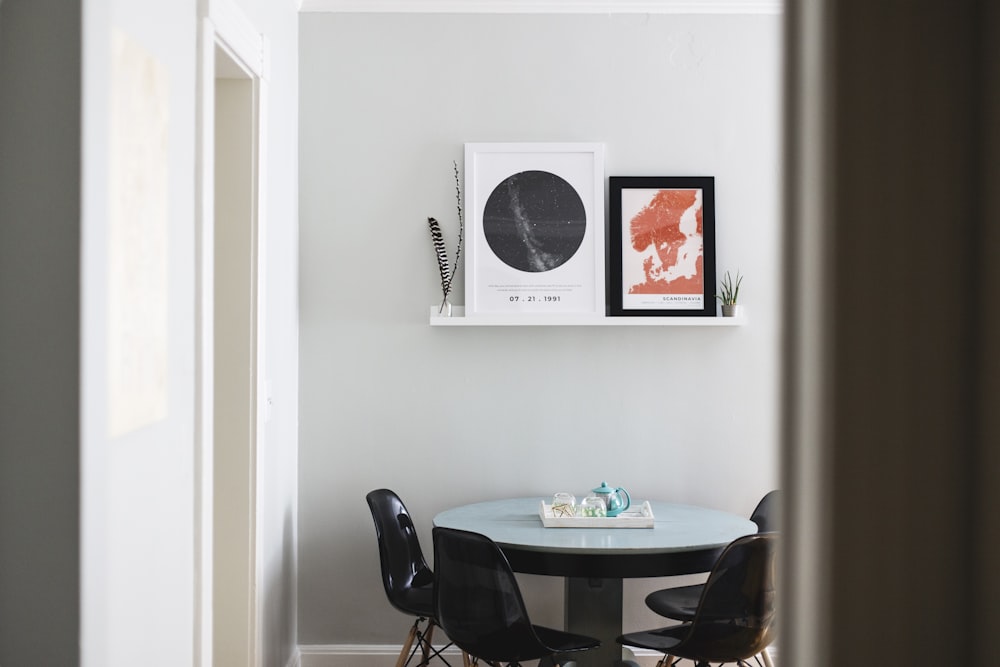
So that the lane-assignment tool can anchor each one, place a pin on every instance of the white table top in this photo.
(678, 528)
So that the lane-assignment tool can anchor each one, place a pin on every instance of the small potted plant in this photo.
(729, 294)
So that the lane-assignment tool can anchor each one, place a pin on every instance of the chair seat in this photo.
(560, 641)
(417, 601)
(678, 603)
(716, 642)
(681, 603)
(660, 639)
(515, 645)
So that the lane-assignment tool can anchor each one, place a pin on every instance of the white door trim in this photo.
(223, 24)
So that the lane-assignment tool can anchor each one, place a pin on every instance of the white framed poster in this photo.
(535, 236)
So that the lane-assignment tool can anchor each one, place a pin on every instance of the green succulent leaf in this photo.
(729, 291)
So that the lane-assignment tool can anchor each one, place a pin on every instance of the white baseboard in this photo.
(357, 655)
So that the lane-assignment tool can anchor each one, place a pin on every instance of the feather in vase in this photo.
(445, 268)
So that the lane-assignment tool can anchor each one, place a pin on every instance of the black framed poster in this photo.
(662, 246)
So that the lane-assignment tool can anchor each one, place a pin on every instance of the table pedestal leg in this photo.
(594, 608)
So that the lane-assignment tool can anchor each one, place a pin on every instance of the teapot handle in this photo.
(628, 500)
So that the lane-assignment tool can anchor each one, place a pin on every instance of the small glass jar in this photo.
(563, 504)
(593, 507)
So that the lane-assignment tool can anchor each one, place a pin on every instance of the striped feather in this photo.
(442, 255)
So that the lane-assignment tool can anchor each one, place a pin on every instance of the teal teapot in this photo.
(615, 500)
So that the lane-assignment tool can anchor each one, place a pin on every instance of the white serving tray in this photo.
(640, 516)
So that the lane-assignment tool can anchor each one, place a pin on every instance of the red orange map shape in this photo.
(658, 225)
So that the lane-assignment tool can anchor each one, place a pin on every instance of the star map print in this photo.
(534, 221)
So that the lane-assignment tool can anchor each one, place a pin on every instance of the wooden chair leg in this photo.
(767, 658)
(405, 652)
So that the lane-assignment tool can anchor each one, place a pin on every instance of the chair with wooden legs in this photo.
(478, 603)
(408, 581)
(734, 620)
(680, 602)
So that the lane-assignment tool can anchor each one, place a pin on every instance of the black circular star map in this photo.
(534, 221)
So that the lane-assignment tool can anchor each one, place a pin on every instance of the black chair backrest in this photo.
(767, 514)
(738, 602)
(402, 560)
(477, 600)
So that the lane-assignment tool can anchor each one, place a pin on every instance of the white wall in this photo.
(139, 490)
(98, 528)
(449, 416)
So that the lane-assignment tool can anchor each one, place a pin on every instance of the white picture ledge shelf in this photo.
(458, 319)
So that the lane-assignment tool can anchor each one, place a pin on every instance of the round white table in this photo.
(684, 540)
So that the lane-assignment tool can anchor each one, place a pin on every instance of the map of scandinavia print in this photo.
(666, 237)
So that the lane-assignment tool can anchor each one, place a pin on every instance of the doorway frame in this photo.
(222, 24)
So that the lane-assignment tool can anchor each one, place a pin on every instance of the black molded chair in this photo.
(679, 603)
(735, 617)
(478, 603)
(408, 582)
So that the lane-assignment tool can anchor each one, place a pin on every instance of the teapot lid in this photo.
(603, 488)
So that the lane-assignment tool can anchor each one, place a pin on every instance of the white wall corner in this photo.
(546, 6)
